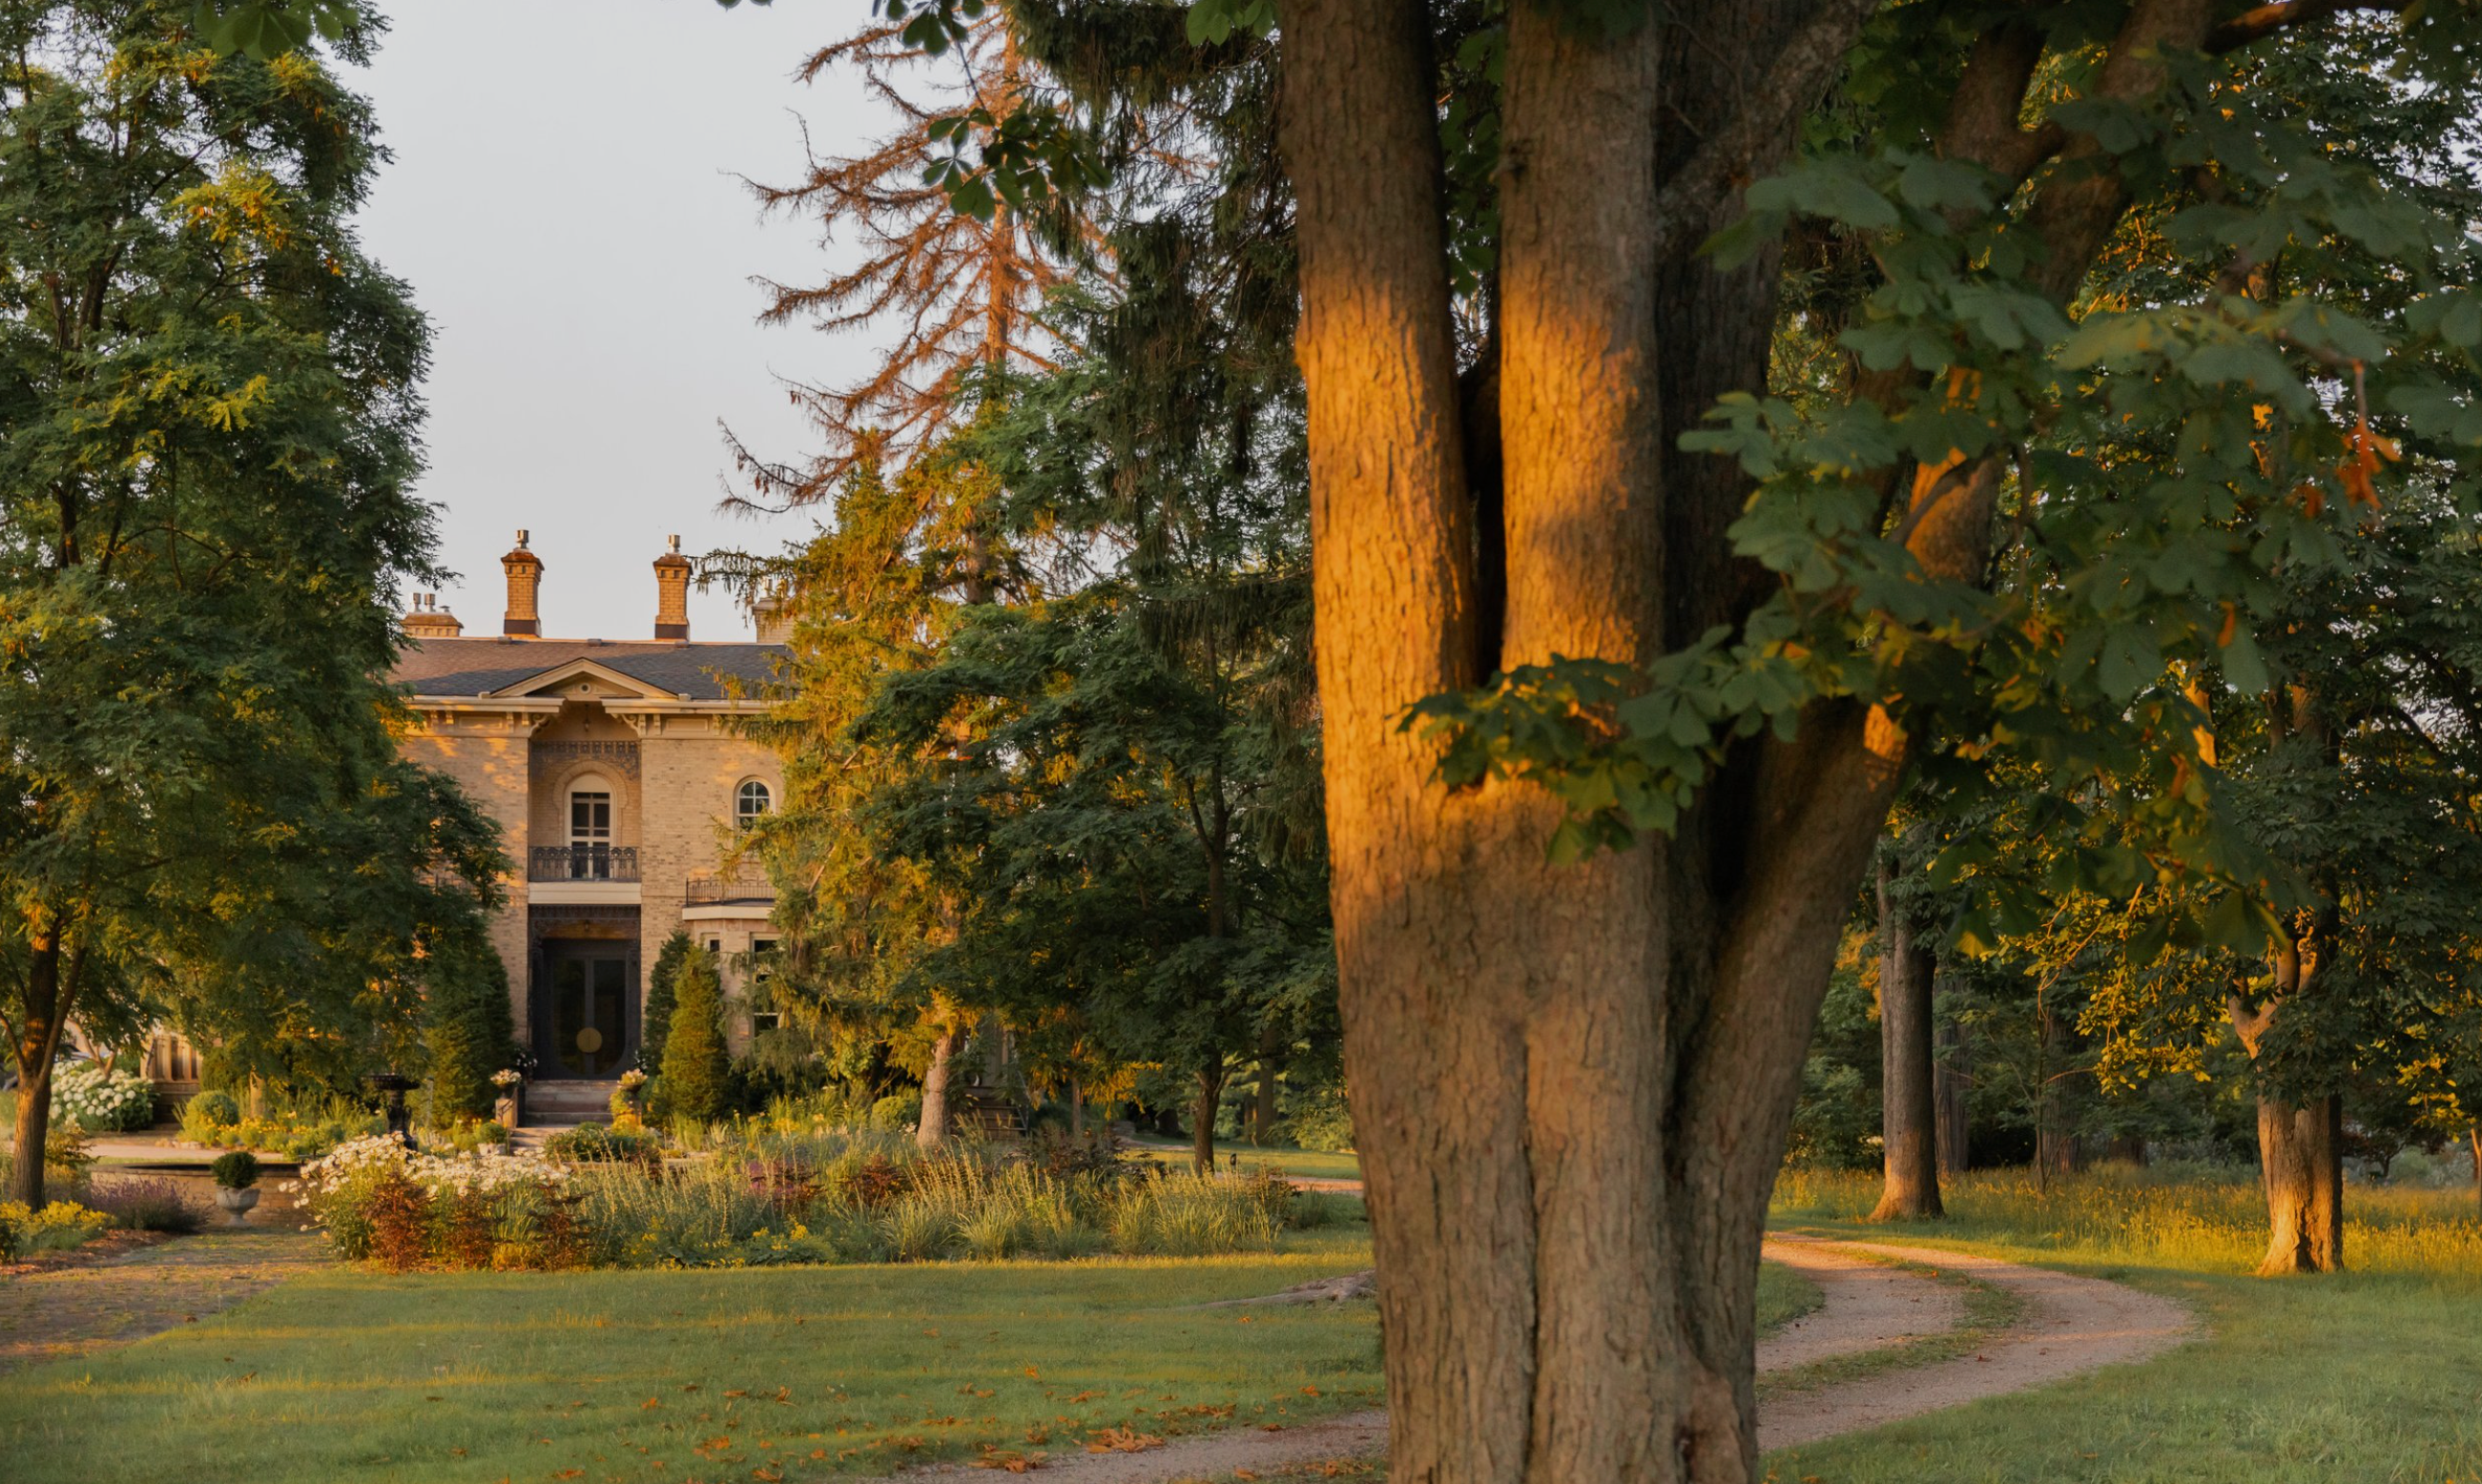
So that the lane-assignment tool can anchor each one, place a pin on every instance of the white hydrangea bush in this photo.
(85, 1096)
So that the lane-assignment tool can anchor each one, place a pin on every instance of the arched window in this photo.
(752, 801)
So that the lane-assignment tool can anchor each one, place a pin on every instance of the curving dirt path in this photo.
(2070, 1324)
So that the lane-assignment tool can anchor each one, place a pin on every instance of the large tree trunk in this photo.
(1952, 1085)
(1908, 1103)
(2301, 1158)
(1201, 1122)
(1573, 1085)
(934, 1128)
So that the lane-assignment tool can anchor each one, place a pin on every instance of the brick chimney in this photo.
(525, 585)
(672, 594)
(430, 620)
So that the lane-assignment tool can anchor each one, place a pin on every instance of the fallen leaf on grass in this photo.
(1122, 1440)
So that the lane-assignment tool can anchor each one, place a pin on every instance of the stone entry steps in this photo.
(563, 1104)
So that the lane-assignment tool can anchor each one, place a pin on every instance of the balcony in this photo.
(582, 863)
(744, 881)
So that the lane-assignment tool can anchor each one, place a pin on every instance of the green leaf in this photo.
(1834, 191)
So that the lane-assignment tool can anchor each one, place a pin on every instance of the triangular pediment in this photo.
(583, 680)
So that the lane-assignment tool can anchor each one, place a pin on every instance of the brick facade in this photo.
(522, 724)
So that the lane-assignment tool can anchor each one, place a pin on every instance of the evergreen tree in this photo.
(208, 399)
(469, 1030)
(655, 1019)
(697, 1073)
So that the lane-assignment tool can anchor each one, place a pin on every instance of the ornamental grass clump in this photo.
(1182, 1215)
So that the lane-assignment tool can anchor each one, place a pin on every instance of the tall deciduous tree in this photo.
(1743, 657)
(208, 396)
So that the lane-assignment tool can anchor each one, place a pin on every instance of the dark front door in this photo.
(587, 1031)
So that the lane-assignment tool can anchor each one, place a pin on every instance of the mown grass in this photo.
(677, 1375)
(1305, 1163)
(2367, 1376)
(1783, 1296)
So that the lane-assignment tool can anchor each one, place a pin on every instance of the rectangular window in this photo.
(764, 1019)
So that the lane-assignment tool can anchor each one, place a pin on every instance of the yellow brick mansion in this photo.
(618, 773)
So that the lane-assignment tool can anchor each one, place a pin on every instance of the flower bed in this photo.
(601, 1197)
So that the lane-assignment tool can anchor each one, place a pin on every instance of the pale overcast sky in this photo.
(564, 200)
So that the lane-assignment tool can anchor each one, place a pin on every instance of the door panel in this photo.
(590, 1011)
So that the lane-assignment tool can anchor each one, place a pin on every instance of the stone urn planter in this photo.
(236, 1178)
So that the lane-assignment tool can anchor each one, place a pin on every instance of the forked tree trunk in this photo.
(1908, 1102)
(1201, 1130)
(1951, 1083)
(2301, 1158)
(1574, 1084)
(934, 1128)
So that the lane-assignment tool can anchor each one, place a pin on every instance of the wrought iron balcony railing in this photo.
(582, 863)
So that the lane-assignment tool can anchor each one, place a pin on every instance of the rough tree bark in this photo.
(2301, 1163)
(1952, 1082)
(933, 1132)
(1907, 1100)
(1573, 1085)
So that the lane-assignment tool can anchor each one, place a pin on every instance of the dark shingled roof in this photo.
(475, 667)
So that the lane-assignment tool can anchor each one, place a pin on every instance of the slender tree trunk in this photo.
(1201, 1130)
(933, 1130)
(1262, 1100)
(2058, 1148)
(2301, 1158)
(1076, 1109)
(1908, 1125)
(2473, 1132)
(42, 1022)
(33, 1127)
(1951, 1083)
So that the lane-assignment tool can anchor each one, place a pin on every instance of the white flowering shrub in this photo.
(117, 1101)
(473, 1205)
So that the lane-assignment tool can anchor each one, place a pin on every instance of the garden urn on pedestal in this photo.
(393, 1086)
(236, 1178)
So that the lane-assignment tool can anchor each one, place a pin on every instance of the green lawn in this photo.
(711, 1374)
(1783, 1296)
(2370, 1376)
(1312, 1164)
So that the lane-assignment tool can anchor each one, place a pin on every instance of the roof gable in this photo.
(583, 678)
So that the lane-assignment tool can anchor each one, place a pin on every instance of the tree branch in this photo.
(2259, 22)
(1700, 196)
